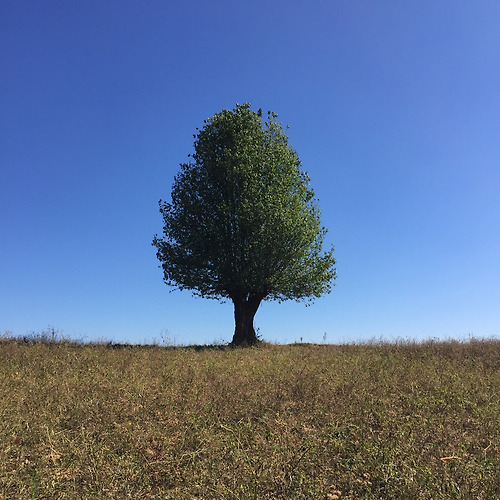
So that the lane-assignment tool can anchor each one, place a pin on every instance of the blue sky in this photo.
(393, 108)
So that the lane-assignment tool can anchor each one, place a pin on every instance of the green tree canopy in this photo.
(243, 223)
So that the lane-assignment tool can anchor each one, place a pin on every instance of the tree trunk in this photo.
(244, 312)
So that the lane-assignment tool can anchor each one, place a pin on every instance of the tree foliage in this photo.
(243, 223)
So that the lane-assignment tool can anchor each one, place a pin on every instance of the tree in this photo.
(243, 223)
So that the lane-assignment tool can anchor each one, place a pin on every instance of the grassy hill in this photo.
(403, 420)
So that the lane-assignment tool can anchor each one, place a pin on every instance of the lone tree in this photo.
(243, 223)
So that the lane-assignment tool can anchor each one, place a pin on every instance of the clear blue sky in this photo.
(393, 107)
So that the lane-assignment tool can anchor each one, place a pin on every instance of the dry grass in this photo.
(301, 421)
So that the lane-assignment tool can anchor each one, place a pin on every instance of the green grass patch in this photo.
(405, 420)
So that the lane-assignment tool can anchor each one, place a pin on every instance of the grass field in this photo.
(404, 420)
